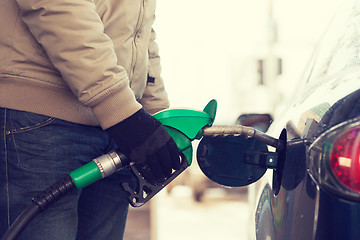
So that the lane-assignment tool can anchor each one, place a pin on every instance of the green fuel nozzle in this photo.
(183, 125)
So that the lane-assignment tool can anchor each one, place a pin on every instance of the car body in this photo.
(314, 191)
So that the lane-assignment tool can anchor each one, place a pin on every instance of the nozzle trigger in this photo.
(146, 190)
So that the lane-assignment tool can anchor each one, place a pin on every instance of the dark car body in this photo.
(303, 198)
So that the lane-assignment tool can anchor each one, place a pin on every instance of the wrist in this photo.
(115, 107)
(134, 130)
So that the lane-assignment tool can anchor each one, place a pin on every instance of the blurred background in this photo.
(248, 55)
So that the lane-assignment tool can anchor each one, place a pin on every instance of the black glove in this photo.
(145, 141)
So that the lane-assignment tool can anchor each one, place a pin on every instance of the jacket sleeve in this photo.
(155, 97)
(72, 34)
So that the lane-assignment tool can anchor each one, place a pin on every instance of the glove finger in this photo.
(164, 159)
(174, 155)
(155, 167)
(146, 172)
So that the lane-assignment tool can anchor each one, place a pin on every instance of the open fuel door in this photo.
(234, 161)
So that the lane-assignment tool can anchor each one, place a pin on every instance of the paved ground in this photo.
(175, 216)
(138, 224)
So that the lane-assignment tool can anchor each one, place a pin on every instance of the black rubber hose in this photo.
(21, 222)
(41, 202)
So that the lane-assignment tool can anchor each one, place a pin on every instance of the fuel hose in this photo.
(91, 172)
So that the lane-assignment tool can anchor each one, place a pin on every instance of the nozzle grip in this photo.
(100, 167)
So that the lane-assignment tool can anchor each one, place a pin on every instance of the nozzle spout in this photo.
(239, 130)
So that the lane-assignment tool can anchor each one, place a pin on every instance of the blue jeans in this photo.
(35, 152)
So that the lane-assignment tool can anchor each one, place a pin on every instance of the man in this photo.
(77, 79)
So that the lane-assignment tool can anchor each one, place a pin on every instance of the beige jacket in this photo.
(84, 61)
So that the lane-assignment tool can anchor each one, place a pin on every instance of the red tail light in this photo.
(334, 160)
(345, 159)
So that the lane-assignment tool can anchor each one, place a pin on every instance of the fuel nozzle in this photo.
(109, 163)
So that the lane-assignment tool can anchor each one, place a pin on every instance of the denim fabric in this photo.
(35, 152)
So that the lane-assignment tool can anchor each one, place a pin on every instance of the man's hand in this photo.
(145, 141)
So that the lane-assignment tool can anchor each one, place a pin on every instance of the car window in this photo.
(339, 48)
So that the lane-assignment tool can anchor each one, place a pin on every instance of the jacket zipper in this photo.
(136, 36)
